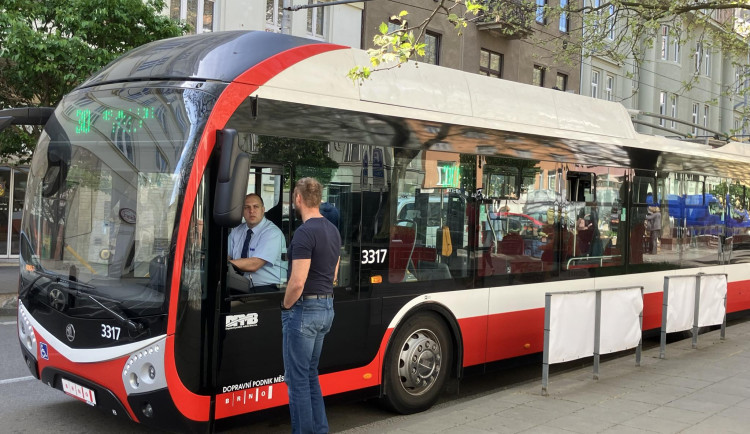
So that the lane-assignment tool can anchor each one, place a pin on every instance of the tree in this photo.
(617, 30)
(49, 47)
(313, 160)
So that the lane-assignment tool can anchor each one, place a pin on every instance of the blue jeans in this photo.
(303, 328)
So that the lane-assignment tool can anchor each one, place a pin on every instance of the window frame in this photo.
(438, 38)
(312, 20)
(673, 102)
(595, 83)
(564, 22)
(541, 12)
(540, 70)
(488, 71)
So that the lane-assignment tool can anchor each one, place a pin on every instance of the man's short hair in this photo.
(258, 196)
(311, 192)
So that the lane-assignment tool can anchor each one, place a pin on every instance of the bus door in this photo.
(249, 335)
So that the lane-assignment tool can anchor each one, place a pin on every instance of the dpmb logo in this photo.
(241, 321)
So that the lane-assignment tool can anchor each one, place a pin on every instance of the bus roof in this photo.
(420, 92)
(220, 56)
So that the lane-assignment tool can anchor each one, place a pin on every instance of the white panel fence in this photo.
(580, 324)
(684, 308)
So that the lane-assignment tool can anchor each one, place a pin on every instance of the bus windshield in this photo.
(103, 192)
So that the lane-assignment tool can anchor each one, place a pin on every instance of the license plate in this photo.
(77, 391)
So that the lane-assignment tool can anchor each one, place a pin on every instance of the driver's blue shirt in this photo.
(267, 244)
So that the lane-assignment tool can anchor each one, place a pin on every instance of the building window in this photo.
(595, 84)
(610, 86)
(662, 106)
(564, 18)
(315, 19)
(540, 11)
(611, 24)
(676, 49)
(198, 13)
(694, 130)
(490, 63)
(673, 113)
(665, 42)
(707, 63)
(698, 57)
(705, 117)
(562, 81)
(538, 78)
(432, 48)
(273, 15)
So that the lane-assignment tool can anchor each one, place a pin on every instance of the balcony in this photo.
(510, 18)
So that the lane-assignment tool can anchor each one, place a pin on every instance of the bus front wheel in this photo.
(417, 364)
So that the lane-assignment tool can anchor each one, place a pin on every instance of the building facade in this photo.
(680, 76)
(339, 24)
(485, 46)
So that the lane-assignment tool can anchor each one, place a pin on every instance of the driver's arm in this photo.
(248, 264)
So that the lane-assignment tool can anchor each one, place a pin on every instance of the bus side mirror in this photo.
(231, 182)
(58, 162)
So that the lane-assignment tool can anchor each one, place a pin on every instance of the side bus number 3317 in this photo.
(110, 332)
(373, 256)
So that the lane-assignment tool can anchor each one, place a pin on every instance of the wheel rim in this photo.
(420, 362)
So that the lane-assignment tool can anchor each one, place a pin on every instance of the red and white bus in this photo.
(126, 300)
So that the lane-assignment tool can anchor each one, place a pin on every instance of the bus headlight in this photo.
(26, 331)
(144, 369)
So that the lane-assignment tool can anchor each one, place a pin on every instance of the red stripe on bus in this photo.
(269, 68)
(193, 406)
(738, 296)
(275, 395)
(108, 374)
(486, 339)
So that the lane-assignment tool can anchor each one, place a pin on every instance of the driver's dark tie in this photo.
(246, 244)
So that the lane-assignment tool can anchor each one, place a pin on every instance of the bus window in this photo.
(428, 237)
(597, 197)
(514, 228)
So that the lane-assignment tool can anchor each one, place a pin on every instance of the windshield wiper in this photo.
(120, 317)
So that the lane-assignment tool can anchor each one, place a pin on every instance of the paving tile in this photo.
(656, 424)
(627, 406)
(679, 415)
(623, 429)
(717, 424)
(502, 424)
(607, 414)
(579, 423)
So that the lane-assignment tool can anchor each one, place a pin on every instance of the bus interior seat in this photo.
(401, 249)
(512, 244)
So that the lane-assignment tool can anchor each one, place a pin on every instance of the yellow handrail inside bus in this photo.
(80, 259)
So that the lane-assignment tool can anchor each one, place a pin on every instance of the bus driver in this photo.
(255, 247)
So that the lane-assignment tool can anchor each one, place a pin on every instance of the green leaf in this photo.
(383, 28)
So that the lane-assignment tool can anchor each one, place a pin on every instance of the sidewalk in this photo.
(706, 390)
(9, 287)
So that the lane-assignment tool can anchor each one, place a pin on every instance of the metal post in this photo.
(664, 306)
(545, 355)
(286, 17)
(597, 332)
(640, 341)
(724, 322)
(696, 311)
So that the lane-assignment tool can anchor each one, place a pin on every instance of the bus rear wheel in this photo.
(417, 364)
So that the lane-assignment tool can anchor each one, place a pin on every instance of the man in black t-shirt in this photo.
(314, 255)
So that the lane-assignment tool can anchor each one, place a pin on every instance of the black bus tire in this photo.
(417, 365)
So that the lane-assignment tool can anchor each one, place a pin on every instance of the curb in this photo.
(8, 304)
